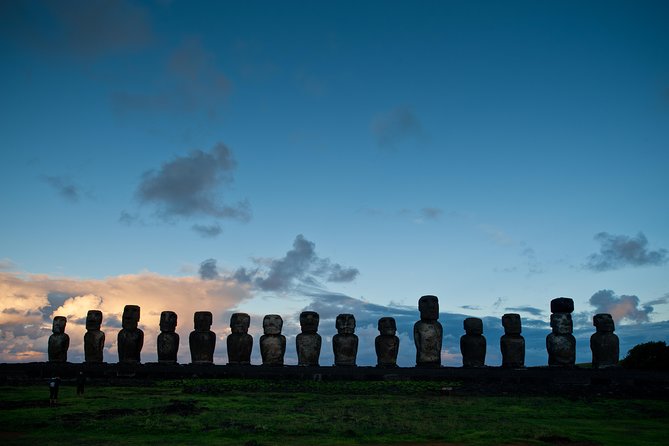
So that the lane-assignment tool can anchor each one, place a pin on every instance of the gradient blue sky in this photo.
(269, 157)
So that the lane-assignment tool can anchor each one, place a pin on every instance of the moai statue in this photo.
(239, 341)
(202, 340)
(473, 343)
(168, 339)
(512, 344)
(59, 341)
(272, 343)
(309, 341)
(561, 344)
(130, 339)
(345, 342)
(427, 333)
(387, 344)
(94, 339)
(604, 343)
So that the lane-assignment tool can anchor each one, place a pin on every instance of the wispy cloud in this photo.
(396, 126)
(525, 309)
(65, 187)
(208, 231)
(7, 264)
(618, 251)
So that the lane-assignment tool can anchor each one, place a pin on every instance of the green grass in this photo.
(257, 412)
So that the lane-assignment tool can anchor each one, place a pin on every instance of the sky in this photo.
(342, 157)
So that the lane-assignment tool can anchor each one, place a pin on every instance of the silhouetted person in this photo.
(54, 385)
(81, 383)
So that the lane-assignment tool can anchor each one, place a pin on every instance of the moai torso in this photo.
(512, 344)
(130, 339)
(239, 341)
(272, 342)
(604, 344)
(168, 339)
(428, 333)
(561, 344)
(387, 344)
(308, 342)
(473, 343)
(94, 339)
(59, 341)
(345, 342)
(202, 340)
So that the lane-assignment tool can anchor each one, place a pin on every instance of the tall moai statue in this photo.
(130, 339)
(512, 344)
(473, 343)
(272, 343)
(59, 341)
(560, 343)
(168, 339)
(94, 339)
(604, 344)
(345, 342)
(428, 333)
(387, 344)
(239, 341)
(308, 342)
(202, 340)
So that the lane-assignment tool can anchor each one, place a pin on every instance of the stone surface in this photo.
(604, 344)
(272, 342)
(562, 305)
(308, 343)
(59, 341)
(561, 344)
(239, 342)
(345, 342)
(512, 344)
(387, 344)
(428, 333)
(473, 343)
(168, 339)
(94, 339)
(130, 339)
(202, 340)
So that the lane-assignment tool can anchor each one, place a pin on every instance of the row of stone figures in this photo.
(428, 334)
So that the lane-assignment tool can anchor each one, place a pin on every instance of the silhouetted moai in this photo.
(473, 343)
(345, 342)
(168, 339)
(428, 333)
(308, 342)
(272, 343)
(604, 344)
(561, 344)
(202, 340)
(94, 339)
(387, 344)
(59, 341)
(130, 339)
(239, 341)
(512, 344)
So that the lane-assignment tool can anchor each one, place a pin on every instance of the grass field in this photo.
(257, 412)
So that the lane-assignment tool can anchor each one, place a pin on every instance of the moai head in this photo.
(473, 326)
(202, 320)
(168, 321)
(240, 322)
(309, 321)
(562, 305)
(511, 323)
(93, 319)
(345, 324)
(429, 308)
(272, 324)
(387, 326)
(130, 317)
(59, 323)
(604, 323)
(561, 323)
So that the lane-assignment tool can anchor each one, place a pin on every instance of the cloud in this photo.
(7, 264)
(620, 307)
(525, 309)
(470, 307)
(64, 186)
(618, 251)
(659, 301)
(208, 270)
(395, 127)
(208, 231)
(431, 213)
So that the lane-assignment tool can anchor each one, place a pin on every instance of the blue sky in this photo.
(269, 157)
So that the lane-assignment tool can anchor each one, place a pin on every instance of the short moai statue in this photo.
(428, 333)
(168, 339)
(473, 343)
(345, 342)
(94, 339)
(387, 344)
(560, 343)
(202, 340)
(239, 341)
(512, 344)
(272, 342)
(59, 341)
(308, 342)
(604, 344)
(130, 339)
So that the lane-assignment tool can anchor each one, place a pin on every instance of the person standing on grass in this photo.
(81, 382)
(54, 384)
